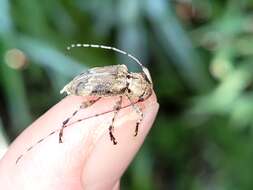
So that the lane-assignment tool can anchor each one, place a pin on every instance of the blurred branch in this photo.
(176, 44)
(47, 56)
(5, 17)
(16, 98)
(12, 82)
(132, 35)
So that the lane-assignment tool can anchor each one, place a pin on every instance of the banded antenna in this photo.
(144, 69)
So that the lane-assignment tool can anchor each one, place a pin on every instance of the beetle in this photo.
(114, 80)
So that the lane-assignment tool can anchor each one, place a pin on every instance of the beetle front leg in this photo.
(139, 112)
(84, 105)
(111, 127)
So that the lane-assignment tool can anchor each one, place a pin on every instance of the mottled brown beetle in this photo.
(113, 80)
(100, 82)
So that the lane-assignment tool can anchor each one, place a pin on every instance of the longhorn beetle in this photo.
(114, 80)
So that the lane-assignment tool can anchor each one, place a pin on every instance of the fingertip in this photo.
(107, 162)
(86, 147)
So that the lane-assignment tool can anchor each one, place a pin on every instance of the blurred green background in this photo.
(199, 53)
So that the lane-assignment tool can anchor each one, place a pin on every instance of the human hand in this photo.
(86, 159)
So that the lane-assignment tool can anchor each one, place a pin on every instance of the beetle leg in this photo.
(139, 112)
(111, 127)
(65, 122)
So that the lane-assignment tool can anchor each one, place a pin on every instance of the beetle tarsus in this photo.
(136, 129)
(60, 136)
(113, 139)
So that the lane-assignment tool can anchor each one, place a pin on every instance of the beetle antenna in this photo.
(144, 69)
(108, 48)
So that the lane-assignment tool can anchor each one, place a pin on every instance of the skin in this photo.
(87, 158)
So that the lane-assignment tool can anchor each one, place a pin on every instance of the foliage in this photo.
(200, 56)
